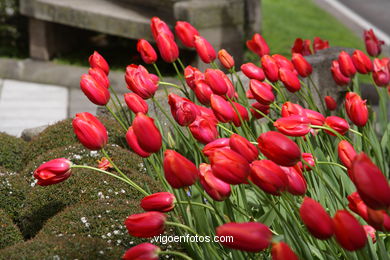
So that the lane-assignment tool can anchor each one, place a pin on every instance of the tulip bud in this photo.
(346, 153)
(346, 64)
(203, 92)
(338, 124)
(339, 77)
(229, 166)
(186, 32)
(226, 59)
(370, 182)
(53, 171)
(293, 125)
(132, 141)
(301, 65)
(160, 201)
(270, 68)
(279, 148)
(242, 146)
(148, 54)
(362, 63)
(192, 75)
(223, 110)
(381, 73)
(357, 205)
(248, 236)
(370, 232)
(140, 81)
(373, 45)
(356, 109)
(262, 92)
(148, 224)
(179, 171)
(296, 182)
(379, 219)
(158, 27)
(97, 61)
(348, 231)
(252, 71)
(99, 76)
(211, 147)
(330, 103)
(308, 158)
(90, 131)
(281, 251)
(290, 80)
(257, 108)
(204, 49)
(182, 109)
(95, 92)
(291, 109)
(216, 188)
(218, 81)
(204, 130)
(148, 136)
(301, 47)
(240, 114)
(258, 45)
(268, 176)
(167, 47)
(315, 117)
(135, 103)
(144, 251)
(316, 219)
(319, 44)
(283, 62)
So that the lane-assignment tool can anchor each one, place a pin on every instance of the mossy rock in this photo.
(64, 248)
(11, 152)
(61, 134)
(9, 232)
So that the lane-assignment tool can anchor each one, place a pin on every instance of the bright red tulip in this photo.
(373, 45)
(381, 73)
(148, 224)
(179, 171)
(211, 147)
(258, 45)
(167, 47)
(330, 103)
(315, 117)
(291, 109)
(192, 75)
(216, 188)
(279, 148)
(316, 219)
(99, 76)
(226, 59)
(223, 110)
(186, 32)
(183, 110)
(256, 107)
(371, 184)
(140, 81)
(148, 136)
(283, 62)
(356, 109)
(319, 44)
(97, 61)
(357, 205)
(346, 153)
(308, 158)
(160, 201)
(262, 92)
(270, 68)
(346, 64)
(281, 251)
(338, 124)
(148, 54)
(301, 65)
(301, 47)
(362, 62)
(204, 49)
(252, 71)
(229, 166)
(293, 125)
(90, 131)
(240, 114)
(135, 103)
(338, 76)
(53, 171)
(290, 80)
(248, 236)
(379, 219)
(242, 146)
(158, 27)
(95, 92)
(132, 141)
(143, 251)
(370, 232)
(348, 231)
(268, 176)
(204, 130)
(203, 92)
(296, 181)
(218, 81)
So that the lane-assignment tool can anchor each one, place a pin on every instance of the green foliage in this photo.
(13, 189)
(9, 232)
(11, 150)
(64, 248)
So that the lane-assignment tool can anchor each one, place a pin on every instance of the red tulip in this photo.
(211, 147)
(53, 171)
(346, 153)
(148, 136)
(370, 231)
(281, 251)
(373, 45)
(140, 81)
(158, 27)
(346, 64)
(316, 219)
(270, 68)
(296, 182)
(290, 80)
(338, 124)
(226, 59)
(223, 110)
(379, 219)
(248, 236)
(262, 92)
(370, 182)
(348, 231)
(301, 47)
(339, 77)
(203, 92)
(242, 146)
(97, 61)
(182, 109)
(315, 117)
(229, 166)
(291, 109)
(256, 107)
(216, 188)
(148, 54)
(279, 148)
(167, 47)
(179, 171)
(144, 251)
(308, 158)
(204, 49)
(330, 103)
(99, 76)
(192, 75)
(90, 131)
(240, 114)
(293, 125)
(362, 63)
(218, 81)
(132, 141)
(301, 65)
(252, 71)
(160, 201)
(268, 176)
(95, 92)
(186, 32)
(136, 104)
(204, 130)
(258, 45)
(319, 44)
(283, 62)
(357, 205)
(148, 224)
(381, 73)
(356, 109)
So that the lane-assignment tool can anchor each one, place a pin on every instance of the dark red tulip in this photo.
(308, 158)
(338, 76)
(179, 171)
(218, 81)
(296, 181)
(291, 109)
(281, 251)
(148, 136)
(302, 47)
(379, 219)
(186, 32)
(348, 231)
(270, 68)
(316, 219)
(242, 146)
(252, 71)
(319, 44)
(99, 76)
(97, 61)
(279, 148)
(160, 201)
(362, 62)
(167, 47)
(268, 176)
(90, 131)
(203, 92)
(248, 236)
(283, 62)
(158, 27)
(53, 171)
(258, 45)
(301, 65)
(293, 125)
(204, 130)
(290, 80)
(330, 103)
(315, 117)
(183, 110)
(346, 64)
(192, 75)
(338, 124)
(204, 49)
(256, 107)
(148, 54)
(356, 109)
(132, 141)
(216, 188)
(148, 224)
(346, 153)
(215, 145)
(135, 103)
(140, 81)
(373, 45)
(371, 184)
(226, 59)
(95, 92)
(262, 92)
(223, 110)
(357, 205)
(381, 73)
(144, 251)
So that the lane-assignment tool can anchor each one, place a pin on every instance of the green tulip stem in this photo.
(116, 118)
(176, 254)
(169, 223)
(333, 163)
(120, 105)
(196, 204)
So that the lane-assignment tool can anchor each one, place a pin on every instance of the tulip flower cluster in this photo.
(245, 161)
